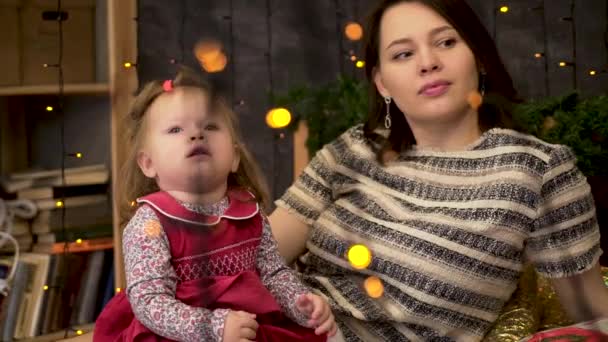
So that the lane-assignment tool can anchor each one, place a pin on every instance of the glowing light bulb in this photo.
(278, 118)
(359, 256)
(373, 286)
(353, 31)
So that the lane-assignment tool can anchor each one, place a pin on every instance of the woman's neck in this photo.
(203, 198)
(447, 136)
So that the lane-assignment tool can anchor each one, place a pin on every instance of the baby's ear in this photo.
(145, 164)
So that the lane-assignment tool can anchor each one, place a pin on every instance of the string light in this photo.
(373, 286)
(79, 332)
(359, 256)
(360, 64)
(216, 64)
(353, 31)
(133, 203)
(118, 289)
(49, 108)
(592, 72)
(353, 58)
(45, 287)
(538, 55)
(278, 118)
(504, 9)
(210, 55)
(128, 65)
(78, 241)
(59, 204)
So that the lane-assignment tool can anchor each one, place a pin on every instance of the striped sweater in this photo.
(449, 231)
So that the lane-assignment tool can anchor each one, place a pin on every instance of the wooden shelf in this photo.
(59, 335)
(68, 89)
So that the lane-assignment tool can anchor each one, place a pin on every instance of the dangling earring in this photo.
(387, 118)
(482, 83)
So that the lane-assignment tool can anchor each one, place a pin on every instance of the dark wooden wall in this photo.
(273, 45)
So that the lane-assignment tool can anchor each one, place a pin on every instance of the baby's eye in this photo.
(175, 130)
(212, 127)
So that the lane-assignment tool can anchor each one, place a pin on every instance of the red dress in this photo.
(198, 253)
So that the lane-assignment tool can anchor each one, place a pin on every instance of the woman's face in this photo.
(424, 65)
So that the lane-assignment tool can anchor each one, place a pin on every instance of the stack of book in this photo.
(75, 208)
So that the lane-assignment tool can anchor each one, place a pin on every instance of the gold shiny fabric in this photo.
(533, 307)
(521, 315)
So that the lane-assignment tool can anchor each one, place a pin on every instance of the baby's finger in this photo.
(325, 326)
(333, 330)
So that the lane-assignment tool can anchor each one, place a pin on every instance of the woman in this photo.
(450, 201)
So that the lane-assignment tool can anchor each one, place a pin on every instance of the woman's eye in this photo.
(448, 42)
(175, 130)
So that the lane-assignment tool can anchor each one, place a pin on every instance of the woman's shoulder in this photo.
(353, 139)
(509, 140)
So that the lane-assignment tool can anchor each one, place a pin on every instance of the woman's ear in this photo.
(377, 76)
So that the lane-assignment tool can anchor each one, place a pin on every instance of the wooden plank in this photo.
(252, 74)
(211, 21)
(87, 335)
(559, 46)
(591, 50)
(48, 89)
(292, 64)
(122, 37)
(158, 39)
(518, 37)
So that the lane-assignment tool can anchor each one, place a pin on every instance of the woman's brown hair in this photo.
(499, 91)
(135, 184)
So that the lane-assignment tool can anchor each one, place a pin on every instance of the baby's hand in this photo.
(318, 312)
(239, 326)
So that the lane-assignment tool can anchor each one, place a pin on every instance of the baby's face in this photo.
(187, 146)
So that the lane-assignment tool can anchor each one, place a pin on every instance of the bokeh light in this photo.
(353, 31)
(373, 286)
(359, 256)
(474, 99)
(278, 118)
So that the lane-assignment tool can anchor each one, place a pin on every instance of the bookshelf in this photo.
(50, 89)
(113, 83)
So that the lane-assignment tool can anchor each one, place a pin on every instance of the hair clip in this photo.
(168, 85)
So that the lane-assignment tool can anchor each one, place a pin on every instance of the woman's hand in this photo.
(240, 326)
(319, 313)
